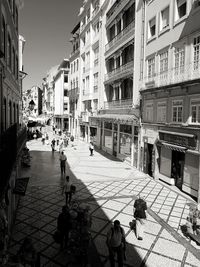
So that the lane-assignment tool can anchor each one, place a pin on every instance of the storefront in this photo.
(118, 136)
(179, 159)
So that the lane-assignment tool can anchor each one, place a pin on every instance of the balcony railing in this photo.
(74, 52)
(120, 72)
(172, 76)
(119, 104)
(112, 13)
(11, 143)
(95, 11)
(117, 40)
(96, 62)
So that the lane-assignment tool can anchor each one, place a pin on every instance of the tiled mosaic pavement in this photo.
(109, 198)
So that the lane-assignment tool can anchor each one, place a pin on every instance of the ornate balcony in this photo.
(173, 76)
(125, 35)
(122, 71)
(119, 104)
(115, 10)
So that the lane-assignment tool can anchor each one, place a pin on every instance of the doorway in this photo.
(178, 160)
(115, 144)
(148, 159)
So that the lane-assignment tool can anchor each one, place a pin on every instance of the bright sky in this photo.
(46, 26)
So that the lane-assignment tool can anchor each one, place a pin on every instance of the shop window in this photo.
(126, 128)
(108, 138)
(177, 111)
(195, 111)
(196, 47)
(164, 20)
(152, 28)
(180, 9)
(108, 125)
(161, 112)
(125, 144)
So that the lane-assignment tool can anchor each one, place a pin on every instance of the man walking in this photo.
(67, 190)
(63, 160)
(116, 244)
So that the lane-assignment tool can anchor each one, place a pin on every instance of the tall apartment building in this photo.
(170, 93)
(61, 99)
(12, 137)
(74, 82)
(48, 92)
(92, 46)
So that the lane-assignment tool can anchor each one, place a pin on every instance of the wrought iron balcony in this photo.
(11, 143)
(122, 71)
(115, 10)
(173, 76)
(119, 104)
(123, 35)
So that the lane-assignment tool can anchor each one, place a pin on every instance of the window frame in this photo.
(163, 28)
(150, 36)
(163, 106)
(197, 111)
(148, 116)
(177, 111)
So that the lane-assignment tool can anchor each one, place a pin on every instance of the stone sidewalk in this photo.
(110, 188)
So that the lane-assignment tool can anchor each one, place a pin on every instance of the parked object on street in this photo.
(116, 244)
(140, 208)
(63, 160)
(91, 148)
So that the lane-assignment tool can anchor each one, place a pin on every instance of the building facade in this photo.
(74, 82)
(33, 94)
(170, 93)
(12, 136)
(61, 98)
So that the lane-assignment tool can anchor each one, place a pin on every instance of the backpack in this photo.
(112, 230)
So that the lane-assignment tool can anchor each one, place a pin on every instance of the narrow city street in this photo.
(109, 187)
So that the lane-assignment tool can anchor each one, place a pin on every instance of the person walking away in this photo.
(64, 226)
(91, 148)
(140, 208)
(67, 190)
(53, 143)
(63, 160)
(116, 244)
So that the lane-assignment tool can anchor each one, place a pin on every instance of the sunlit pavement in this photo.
(109, 187)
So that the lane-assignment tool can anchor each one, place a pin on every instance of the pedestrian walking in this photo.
(43, 139)
(67, 190)
(53, 143)
(91, 148)
(61, 145)
(63, 160)
(116, 244)
(140, 208)
(64, 226)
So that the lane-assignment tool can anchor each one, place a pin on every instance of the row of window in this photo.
(178, 60)
(177, 112)
(163, 20)
(9, 51)
(86, 82)
(74, 66)
(86, 19)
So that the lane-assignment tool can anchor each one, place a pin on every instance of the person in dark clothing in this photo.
(140, 208)
(64, 226)
(27, 253)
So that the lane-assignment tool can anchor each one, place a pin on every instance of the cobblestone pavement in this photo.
(110, 188)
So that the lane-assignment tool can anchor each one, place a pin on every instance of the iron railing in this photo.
(122, 70)
(119, 104)
(122, 35)
(185, 73)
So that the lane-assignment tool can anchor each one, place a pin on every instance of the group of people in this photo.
(116, 241)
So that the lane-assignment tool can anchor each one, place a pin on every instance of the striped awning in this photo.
(174, 147)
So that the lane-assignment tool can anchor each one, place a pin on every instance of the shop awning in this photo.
(174, 147)
(177, 133)
(122, 118)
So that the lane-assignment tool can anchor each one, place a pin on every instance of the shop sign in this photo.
(186, 141)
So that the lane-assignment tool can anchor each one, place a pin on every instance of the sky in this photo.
(46, 26)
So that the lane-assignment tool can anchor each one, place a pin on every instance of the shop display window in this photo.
(108, 138)
(125, 144)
